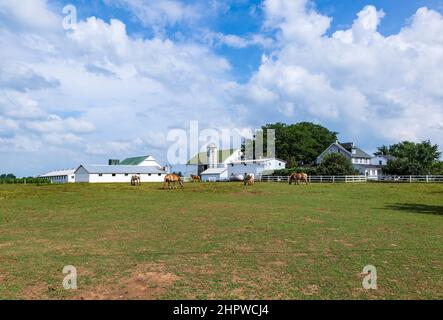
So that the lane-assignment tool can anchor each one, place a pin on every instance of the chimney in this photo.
(113, 162)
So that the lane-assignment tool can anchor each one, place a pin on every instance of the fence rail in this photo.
(358, 179)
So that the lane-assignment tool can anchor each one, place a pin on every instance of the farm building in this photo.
(148, 161)
(361, 161)
(257, 167)
(62, 176)
(117, 173)
(224, 165)
(218, 158)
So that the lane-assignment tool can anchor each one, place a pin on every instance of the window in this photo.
(159, 174)
(380, 162)
(100, 174)
(113, 174)
(126, 174)
(149, 174)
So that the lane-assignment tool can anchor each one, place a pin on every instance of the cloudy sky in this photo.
(131, 70)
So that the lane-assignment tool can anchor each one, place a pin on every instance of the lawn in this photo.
(222, 241)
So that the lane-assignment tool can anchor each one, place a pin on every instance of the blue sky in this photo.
(132, 70)
(244, 17)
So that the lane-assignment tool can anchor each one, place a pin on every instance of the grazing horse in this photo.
(136, 180)
(195, 178)
(249, 180)
(297, 177)
(171, 179)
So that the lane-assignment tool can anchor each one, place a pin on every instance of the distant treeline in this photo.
(12, 179)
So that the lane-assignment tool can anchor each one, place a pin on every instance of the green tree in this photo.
(7, 176)
(300, 143)
(437, 168)
(383, 150)
(412, 158)
(335, 164)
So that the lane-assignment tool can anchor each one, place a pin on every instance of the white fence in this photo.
(356, 179)
(410, 179)
(318, 179)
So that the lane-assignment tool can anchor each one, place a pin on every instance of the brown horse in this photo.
(249, 180)
(297, 177)
(171, 179)
(195, 178)
(136, 180)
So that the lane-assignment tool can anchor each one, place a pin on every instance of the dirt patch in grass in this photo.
(310, 290)
(5, 245)
(37, 291)
(146, 282)
(312, 220)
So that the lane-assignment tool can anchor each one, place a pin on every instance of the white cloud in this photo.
(235, 41)
(28, 15)
(367, 86)
(159, 14)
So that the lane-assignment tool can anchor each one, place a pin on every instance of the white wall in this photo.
(61, 178)
(211, 177)
(83, 176)
(235, 156)
(122, 178)
(376, 161)
(150, 162)
(255, 168)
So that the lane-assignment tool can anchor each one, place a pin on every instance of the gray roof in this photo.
(359, 153)
(66, 172)
(120, 169)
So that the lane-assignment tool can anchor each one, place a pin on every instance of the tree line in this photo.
(9, 178)
(301, 143)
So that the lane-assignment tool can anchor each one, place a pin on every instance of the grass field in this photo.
(222, 241)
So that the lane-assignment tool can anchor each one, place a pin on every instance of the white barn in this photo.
(61, 176)
(226, 165)
(117, 173)
(257, 167)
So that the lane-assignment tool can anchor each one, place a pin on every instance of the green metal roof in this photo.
(133, 161)
(202, 157)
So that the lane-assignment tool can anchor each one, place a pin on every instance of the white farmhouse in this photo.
(225, 165)
(361, 161)
(61, 176)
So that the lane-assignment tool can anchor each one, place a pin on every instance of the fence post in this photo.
(321, 179)
(427, 178)
(333, 179)
(346, 179)
(410, 179)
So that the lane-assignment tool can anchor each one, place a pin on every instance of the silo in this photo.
(212, 155)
